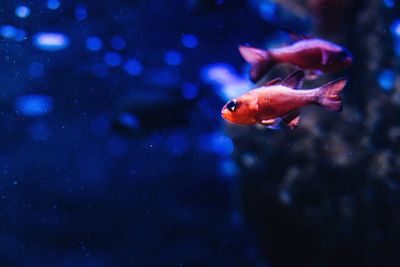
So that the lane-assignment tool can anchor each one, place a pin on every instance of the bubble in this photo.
(50, 41)
(112, 59)
(222, 145)
(94, 43)
(387, 79)
(20, 35)
(395, 28)
(34, 105)
(173, 58)
(22, 11)
(216, 143)
(53, 4)
(8, 31)
(129, 120)
(133, 67)
(268, 10)
(189, 41)
(228, 168)
(388, 3)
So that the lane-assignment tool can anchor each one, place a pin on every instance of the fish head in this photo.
(241, 110)
(344, 59)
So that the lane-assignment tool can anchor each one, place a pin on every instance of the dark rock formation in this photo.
(327, 193)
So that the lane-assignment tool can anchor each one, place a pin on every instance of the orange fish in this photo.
(278, 101)
(308, 54)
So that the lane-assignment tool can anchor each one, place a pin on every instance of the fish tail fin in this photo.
(329, 95)
(259, 59)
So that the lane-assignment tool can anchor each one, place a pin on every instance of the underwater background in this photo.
(114, 153)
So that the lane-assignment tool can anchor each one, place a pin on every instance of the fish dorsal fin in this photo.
(295, 36)
(272, 82)
(294, 80)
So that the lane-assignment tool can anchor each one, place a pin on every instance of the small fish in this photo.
(278, 101)
(308, 54)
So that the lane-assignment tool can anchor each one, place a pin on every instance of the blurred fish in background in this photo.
(114, 152)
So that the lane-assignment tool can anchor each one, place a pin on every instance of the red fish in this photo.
(307, 54)
(278, 101)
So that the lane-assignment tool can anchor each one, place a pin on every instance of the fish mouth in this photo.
(225, 114)
(348, 61)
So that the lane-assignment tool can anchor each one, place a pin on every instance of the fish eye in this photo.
(232, 105)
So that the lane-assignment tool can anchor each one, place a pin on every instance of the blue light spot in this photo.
(53, 4)
(117, 147)
(100, 70)
(190, 90)
(36, 70)
(118, 43)
(173, 58)
(94, 43)
(22, 11)
(228, 168)
(268, 10)
(129, 120)
(34, 105)
(176, 144)
(226, 81)
(133, 67)
(217, 73)
(165, 77)
(8, 31)
(81, 12)
(386, 79)
(189, 41)
(39, 131)
(216, 143)
(112, 59)
(395, 28)
(20, 35)
(50, 41)
(389, 3)
(222, 145)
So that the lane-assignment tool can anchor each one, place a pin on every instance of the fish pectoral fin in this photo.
(271, 123)
(324, 57)
(312, 75)
(292, 119)
(293, 123)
